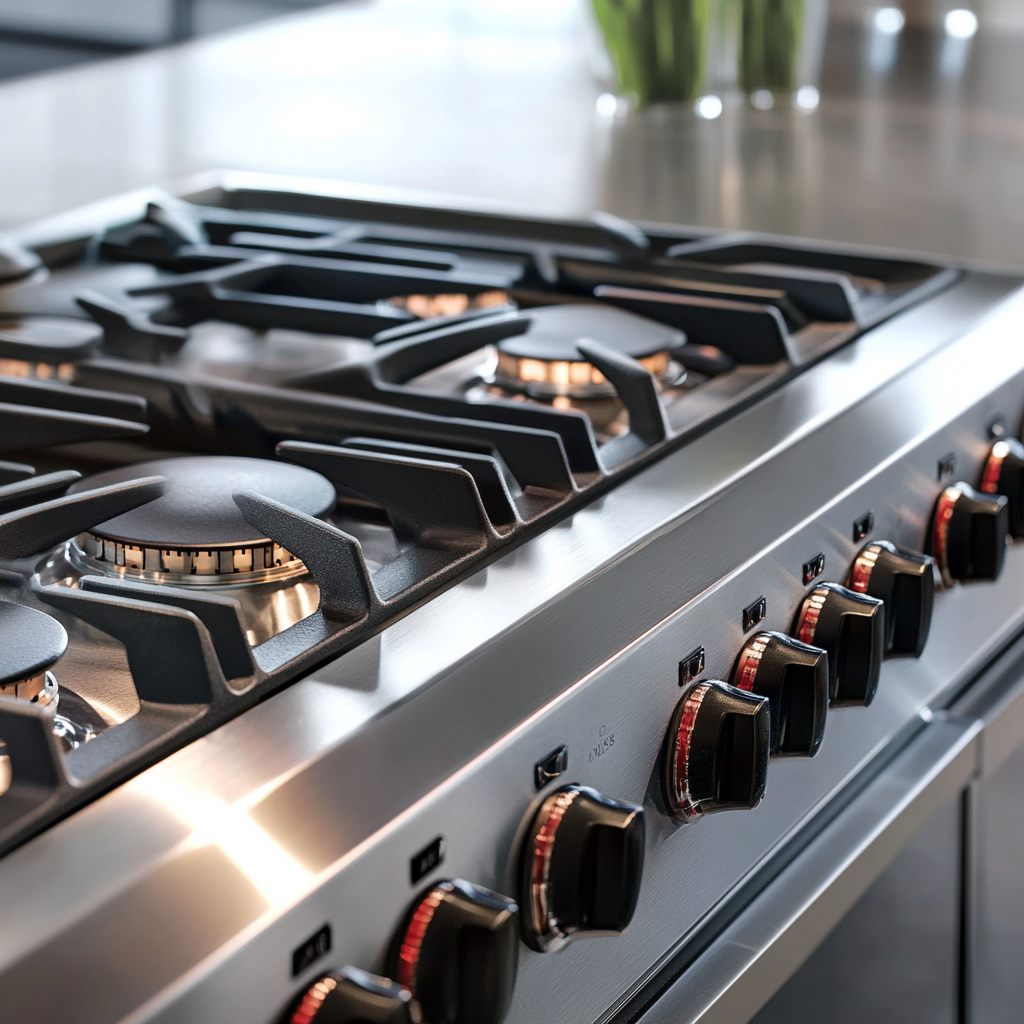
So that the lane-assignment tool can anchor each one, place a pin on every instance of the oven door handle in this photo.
(745, 965)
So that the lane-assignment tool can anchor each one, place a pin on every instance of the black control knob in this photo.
(352, 996)
(968, 534)
(851, 628)
(904, 582)
(716, 752)
(580, 868)
(794, 678)
(1003, 473)
(456, 952)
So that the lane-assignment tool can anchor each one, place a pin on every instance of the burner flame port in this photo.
(220, 566)
(545, 363)
(194, 534)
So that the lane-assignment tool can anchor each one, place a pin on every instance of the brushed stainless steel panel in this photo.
(755, 956)
(997, 985)
(895, 956)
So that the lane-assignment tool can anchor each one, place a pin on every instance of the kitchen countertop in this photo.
(498, 101)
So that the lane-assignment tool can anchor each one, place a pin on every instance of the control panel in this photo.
(577, 858)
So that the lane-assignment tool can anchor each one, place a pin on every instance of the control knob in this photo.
(968, 534)
(351, 996)
(580, 868)
(851, 629)
(456, 952)
(904, 582)
(1003, 473)
(794, 678)
(716, 752)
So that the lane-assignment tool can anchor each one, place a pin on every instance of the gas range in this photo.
(400, 589)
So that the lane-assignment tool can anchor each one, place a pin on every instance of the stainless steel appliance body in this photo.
(185, 893)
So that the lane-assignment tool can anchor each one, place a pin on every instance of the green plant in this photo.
(658, 46)
(770, 35)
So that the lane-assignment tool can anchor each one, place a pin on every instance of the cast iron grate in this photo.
(457, 479)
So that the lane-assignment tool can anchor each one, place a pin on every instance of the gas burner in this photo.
(194, 534)
(545, 363)
(46, 347)
(454, 304)
(33, 643)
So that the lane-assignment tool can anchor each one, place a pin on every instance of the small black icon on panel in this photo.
(551, 766)
(754, 613)
(691, 666)
(863, 526)
(814, 568)
(422, 863)
(311, 950)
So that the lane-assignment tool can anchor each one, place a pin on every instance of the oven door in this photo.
(907, 905)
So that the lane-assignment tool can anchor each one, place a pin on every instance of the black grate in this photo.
(455, 476)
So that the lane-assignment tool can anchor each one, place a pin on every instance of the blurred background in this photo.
(889, 124)
(39, 35)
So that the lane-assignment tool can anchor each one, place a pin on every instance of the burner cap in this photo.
(16, 261)
(554, 331)
(48, 339)
(196, 510)
(30, 642)
(545, 362)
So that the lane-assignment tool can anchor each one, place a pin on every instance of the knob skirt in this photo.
(968, 534)
(1003, 473)
(351, 996)
(904, 581)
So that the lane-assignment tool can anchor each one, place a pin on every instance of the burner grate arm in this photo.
(430, 504)
(170, 653)
(29, 531)
(333, 557)
(35, 488)
(220, 615)
(38, 774)
(27, 426)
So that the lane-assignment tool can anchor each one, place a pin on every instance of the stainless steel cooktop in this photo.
(403, 589)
